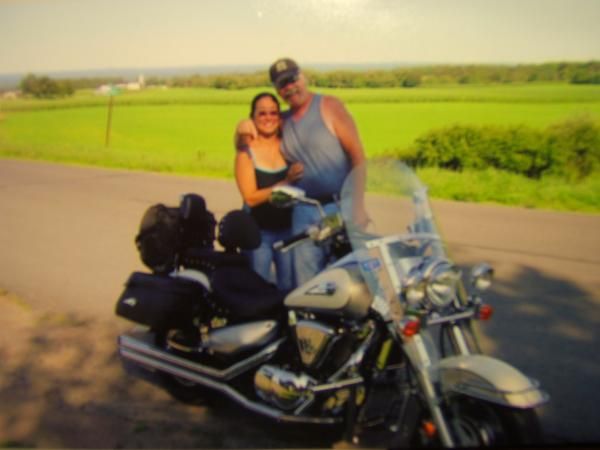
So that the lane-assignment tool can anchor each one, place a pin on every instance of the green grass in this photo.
(520, 93)
(387, 126)
(510, 189)
(189, 131)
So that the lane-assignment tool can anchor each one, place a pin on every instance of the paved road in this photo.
(66, 244)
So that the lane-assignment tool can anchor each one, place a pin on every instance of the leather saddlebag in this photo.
(160, 301)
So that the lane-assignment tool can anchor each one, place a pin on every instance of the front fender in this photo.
(491, 380)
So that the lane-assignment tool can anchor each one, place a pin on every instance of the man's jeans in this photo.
(263, 257)
(309, 259)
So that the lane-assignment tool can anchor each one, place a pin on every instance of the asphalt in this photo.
(67, 244)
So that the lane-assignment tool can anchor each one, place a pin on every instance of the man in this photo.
(320, 133)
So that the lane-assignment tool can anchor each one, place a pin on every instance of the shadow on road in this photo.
(548, 328)
(64, 387)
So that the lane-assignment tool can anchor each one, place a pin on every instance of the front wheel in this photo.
(476, 423)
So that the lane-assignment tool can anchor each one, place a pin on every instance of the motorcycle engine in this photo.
(323, 350)
(282, 388)
(314, 340)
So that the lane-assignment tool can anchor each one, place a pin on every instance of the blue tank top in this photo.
(309, 141)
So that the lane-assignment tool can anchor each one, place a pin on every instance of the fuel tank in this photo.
(339, 291)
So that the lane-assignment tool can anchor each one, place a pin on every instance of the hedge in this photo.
(570, 149)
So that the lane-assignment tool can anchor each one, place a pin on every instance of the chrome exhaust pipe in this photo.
(139, 350)
(141, 342)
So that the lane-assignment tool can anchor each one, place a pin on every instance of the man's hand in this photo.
(295, 172)
(360, 217)
(245, 132)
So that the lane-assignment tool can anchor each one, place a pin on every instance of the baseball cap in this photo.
(284, 69)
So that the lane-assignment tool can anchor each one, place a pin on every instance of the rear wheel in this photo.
(476, 423)
(181, 344)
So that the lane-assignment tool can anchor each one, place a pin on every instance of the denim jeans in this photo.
(309, 258)
(263, 257)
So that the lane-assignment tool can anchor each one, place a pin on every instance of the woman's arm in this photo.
(246, 179)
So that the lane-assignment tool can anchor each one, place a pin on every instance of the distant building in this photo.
(107, 89)
(11, 95)
(133, 86)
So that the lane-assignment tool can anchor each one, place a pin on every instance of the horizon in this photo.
(225, 69)
(11, 81)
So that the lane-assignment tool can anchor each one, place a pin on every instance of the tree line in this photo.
(408, 77)
(404, 77)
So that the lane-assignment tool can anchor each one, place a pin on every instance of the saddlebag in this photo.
(160, 301)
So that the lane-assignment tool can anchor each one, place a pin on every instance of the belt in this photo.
(324, 199)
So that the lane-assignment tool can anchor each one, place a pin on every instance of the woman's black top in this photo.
(266, 215)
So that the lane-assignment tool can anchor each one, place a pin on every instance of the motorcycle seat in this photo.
(208, 260)
(245, 294)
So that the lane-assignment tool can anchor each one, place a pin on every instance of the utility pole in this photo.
(111, 94)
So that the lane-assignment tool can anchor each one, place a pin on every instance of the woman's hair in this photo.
(258, 97)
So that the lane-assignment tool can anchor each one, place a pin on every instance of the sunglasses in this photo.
(267, 113)
(287, 80)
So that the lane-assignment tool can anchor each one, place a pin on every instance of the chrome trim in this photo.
(313, 340)
(196, 276)
(134, 348)
(426, 371)
(337, 385)
(356, 357)
(460, 341)
(459, 316)
(225, 389)
(129, 344)
(490, 379)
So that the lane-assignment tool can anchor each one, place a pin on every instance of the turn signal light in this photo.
(411, 327)
(485, 312)
(429, 428)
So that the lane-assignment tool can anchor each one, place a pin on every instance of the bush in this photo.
(411, 81)
(575, 146)
(570, 149)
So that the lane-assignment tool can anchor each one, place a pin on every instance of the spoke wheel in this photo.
(476, 423)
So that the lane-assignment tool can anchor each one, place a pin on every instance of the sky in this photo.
(43, 36)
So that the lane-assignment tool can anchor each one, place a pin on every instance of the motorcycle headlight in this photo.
(414, 289)
(481, 276)
(442, 282)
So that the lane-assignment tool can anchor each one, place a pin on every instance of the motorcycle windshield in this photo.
(401, 232)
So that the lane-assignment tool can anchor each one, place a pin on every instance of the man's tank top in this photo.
(266, 215)
(309, 141)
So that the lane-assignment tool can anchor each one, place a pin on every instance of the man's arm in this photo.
(341, 124)
(245, 132)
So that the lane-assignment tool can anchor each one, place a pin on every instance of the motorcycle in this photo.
(382, 341)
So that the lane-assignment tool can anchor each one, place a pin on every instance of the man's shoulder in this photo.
(331, 101)
(332, 105)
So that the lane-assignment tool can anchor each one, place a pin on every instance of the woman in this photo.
(259, 167)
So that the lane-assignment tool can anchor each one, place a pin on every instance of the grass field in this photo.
(190, 131)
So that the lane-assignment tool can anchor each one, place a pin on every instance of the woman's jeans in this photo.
(264, 256)
(309, 259)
